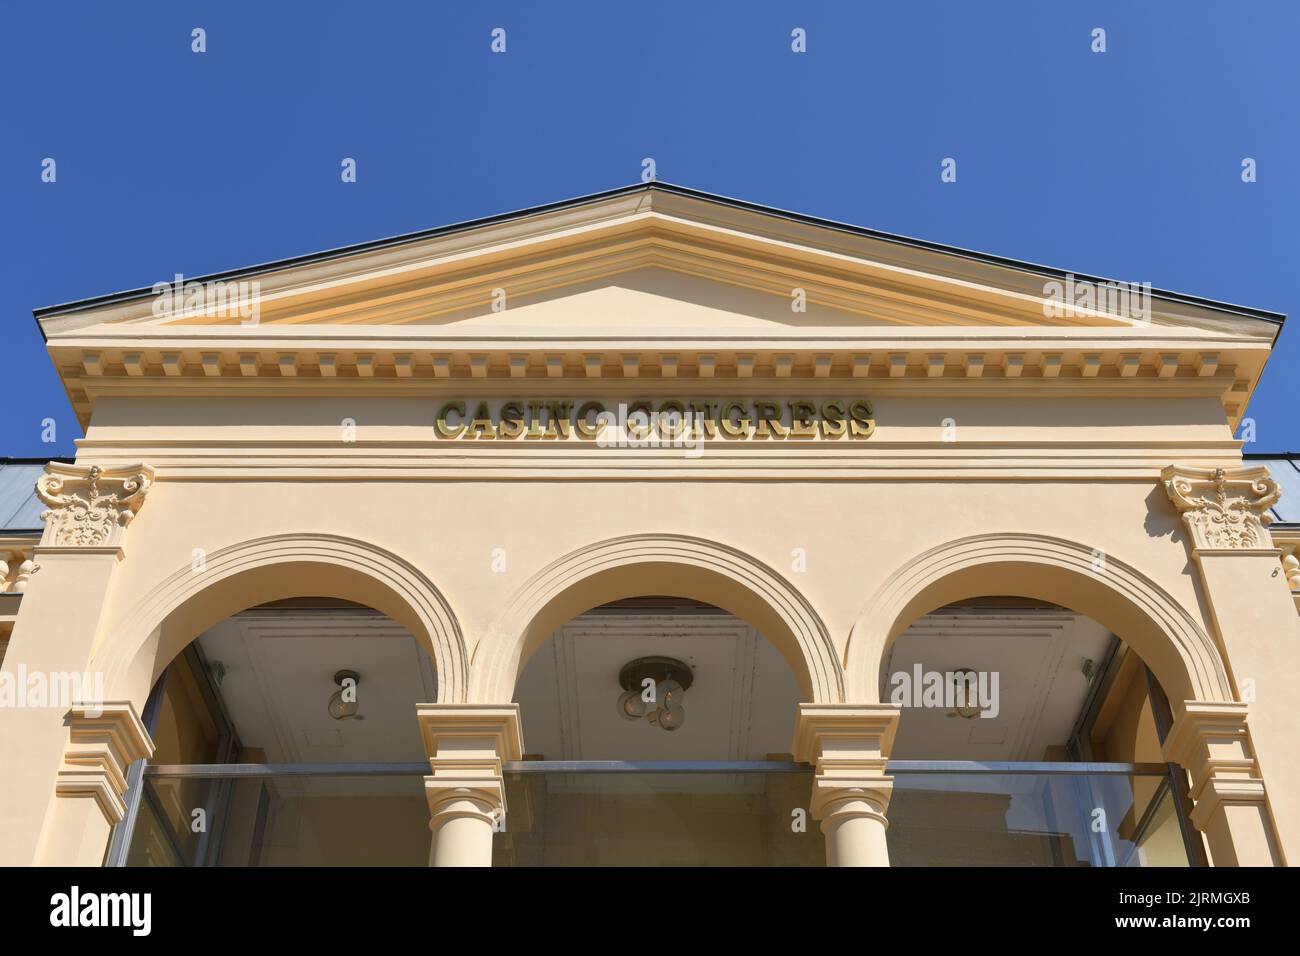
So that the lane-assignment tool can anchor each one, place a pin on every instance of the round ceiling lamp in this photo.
(654, 682)
(343, 703)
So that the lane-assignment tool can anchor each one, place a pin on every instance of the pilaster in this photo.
(88, 511)
(849, 745)
(467, 744)
(1253, 617)
(104, 739)
(1212, 741)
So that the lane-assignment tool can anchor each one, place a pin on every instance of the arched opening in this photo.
(678, 565)
(1015, 683)
(1034, 679)
(696, 705)
(283, 683)
(268, 727)
(658, 682)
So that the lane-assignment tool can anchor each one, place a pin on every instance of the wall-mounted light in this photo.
(343, 703)
(653, 688)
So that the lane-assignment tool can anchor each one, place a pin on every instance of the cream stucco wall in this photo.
(1011, 455)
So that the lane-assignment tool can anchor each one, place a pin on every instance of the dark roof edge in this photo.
(1290, 455)
(1269, 316)
(5, 460)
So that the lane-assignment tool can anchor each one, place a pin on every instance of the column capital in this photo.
(104, 739)
(90, 506)
(467, 744)
(1224, 509)
(849, 746)
(1211, 740)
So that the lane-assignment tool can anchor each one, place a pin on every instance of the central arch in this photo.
(1179, 652)
(677, 565)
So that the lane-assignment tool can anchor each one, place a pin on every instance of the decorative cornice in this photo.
(466, 744)
(104, 739)
(1211, 740)
(1224, 509)
(90, 507)
(849, 745)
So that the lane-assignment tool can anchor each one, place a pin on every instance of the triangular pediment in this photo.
(651, 281)
(644, 259)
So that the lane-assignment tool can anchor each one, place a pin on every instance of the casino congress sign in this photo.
(654, 422)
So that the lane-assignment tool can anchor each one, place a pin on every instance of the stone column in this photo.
(104, 739)
(1212, 741)
(467, 744)
(849, 746)
(55, 632)
(1253, 616)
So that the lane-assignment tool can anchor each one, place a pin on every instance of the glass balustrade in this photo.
(637, 814)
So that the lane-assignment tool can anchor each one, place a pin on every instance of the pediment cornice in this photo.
(416, 311)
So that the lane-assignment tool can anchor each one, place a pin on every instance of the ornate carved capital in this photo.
(90, 506)
(1225, 510)
(103, 741)
(849, 746)
(1212, 742)
(467, 744)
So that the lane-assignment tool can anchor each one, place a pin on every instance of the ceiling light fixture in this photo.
(964, 690)
(343, 703)
(658, 682)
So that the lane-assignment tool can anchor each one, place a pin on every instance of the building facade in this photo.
(422, 550)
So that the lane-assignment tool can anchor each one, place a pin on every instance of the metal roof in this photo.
(1285, 469)
(1274, 317)
(20, 509)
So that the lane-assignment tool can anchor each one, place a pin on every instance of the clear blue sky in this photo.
(1125, 164)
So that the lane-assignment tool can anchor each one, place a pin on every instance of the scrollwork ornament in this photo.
(1225, 510)
(90, 506)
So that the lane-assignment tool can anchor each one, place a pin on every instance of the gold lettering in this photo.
(862, 423)
(801, 419)
(635, 426)
(481, 426)
(534, 421)
(672, 419)
(731, 427)
(559, 413)
(512, 420)
(768, 415)
(706, 412)
(833, 415)
(440, 426)
(587, 428)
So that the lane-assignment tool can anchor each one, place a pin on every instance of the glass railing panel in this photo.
(659, 819)
(1032, 819)
(299, 820)
(721, 814)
